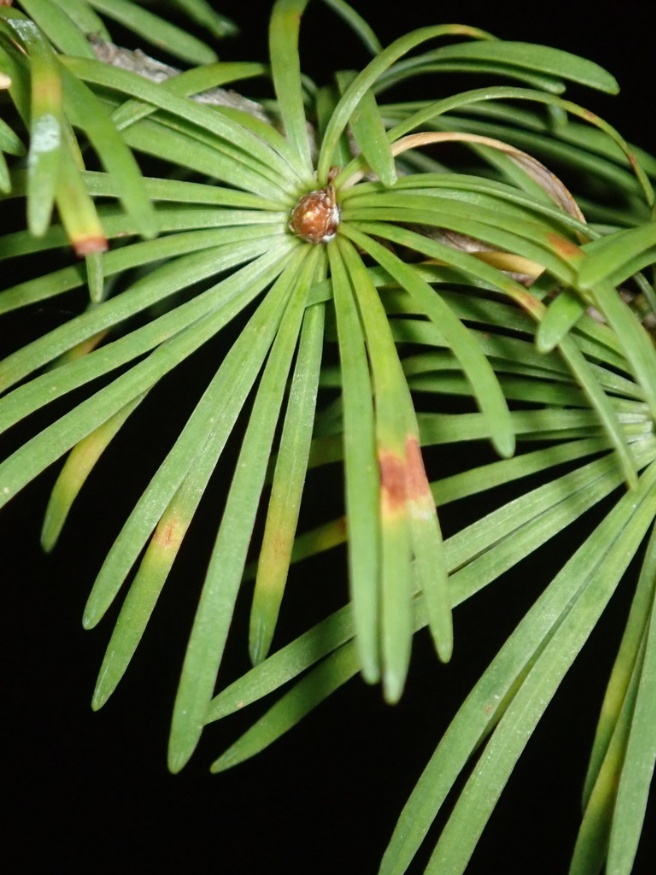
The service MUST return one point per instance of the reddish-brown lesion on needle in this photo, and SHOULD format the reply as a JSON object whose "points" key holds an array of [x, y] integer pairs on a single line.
{"points": [[393, 482], [418, 487], [403, 478]]}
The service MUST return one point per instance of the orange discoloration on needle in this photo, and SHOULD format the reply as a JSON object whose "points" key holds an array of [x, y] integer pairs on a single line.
{"points": [[418, 488], [530, 304], [393, 482], [169, 533], [590, 116], [403, 480], [275, 555], [47, 91], [564, 246], [86, 346], [89, 245]]}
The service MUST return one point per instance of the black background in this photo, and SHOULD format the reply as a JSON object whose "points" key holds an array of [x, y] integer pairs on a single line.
{"points": [[90, 792]]}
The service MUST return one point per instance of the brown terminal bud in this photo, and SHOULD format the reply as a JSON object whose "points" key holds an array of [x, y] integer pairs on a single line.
{"points": [[316, 215]]}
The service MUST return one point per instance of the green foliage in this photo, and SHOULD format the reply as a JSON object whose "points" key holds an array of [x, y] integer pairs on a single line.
{"points": [[404, 278]]}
